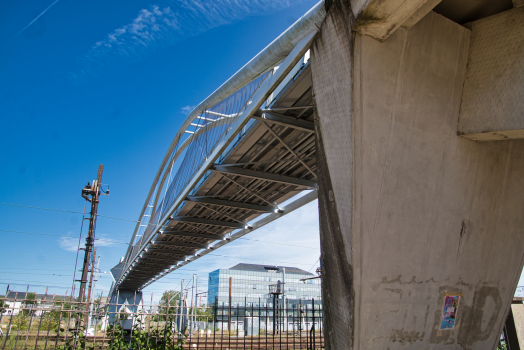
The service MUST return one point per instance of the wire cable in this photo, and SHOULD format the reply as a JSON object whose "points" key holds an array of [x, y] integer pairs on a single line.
{"points": [[47, 256], [50, 234], [64, 211], [229, 256], [290, 245]]}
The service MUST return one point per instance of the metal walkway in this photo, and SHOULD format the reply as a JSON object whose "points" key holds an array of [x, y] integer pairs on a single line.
{"points": [[233, 164]]}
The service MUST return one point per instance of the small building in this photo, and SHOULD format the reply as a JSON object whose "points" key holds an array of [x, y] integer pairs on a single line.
{"points": [[15, 302]]}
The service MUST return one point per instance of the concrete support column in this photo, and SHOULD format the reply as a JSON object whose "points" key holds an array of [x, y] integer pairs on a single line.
{"points": [[123, 298], [411, 214], [332, 52]]}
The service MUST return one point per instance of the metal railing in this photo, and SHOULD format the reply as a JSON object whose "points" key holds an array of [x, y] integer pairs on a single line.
{"points": [[30, 321], [212, 126]]}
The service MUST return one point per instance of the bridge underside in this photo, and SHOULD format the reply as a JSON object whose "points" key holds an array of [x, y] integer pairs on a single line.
{"points": [[421, 229], [421, 225], [274, 160]]}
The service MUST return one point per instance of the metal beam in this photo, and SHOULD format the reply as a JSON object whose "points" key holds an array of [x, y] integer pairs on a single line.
{"points": [[168, 264], [288, 180], [145, 273], [260, 96], [180, 244], [207, 222], [264, 221], [159, 260], [280, 119], [289, 148], [290, 108], [191, 234], [170, 252], [231, 204]]}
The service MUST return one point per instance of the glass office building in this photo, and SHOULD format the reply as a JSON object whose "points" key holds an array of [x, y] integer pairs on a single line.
{"points": [[251, 284], [265, 297]]}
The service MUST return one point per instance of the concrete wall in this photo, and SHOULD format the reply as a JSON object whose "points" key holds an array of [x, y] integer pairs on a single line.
{"points": [[518, 317], [408, 209], [493, 96], [332, 71]]}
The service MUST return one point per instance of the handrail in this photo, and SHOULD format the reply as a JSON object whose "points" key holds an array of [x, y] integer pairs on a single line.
{"points": [[275, 52]]}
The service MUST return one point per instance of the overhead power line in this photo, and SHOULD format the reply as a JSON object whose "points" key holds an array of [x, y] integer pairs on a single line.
{"points": [[290, 245], [50, 234], [47, 256], [29, 283], [64, 211], [17, 268], [282, 262], [38, 273]]}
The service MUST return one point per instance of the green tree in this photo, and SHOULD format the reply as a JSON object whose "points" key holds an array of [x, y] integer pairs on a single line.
{"points": [[21, 321], [168, 304], [204, 314], [2, 304], [65, 305], [29, 303]]}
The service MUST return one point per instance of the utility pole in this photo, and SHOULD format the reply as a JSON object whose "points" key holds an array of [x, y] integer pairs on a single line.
{"points": [[195, 309], [284, 299], [181, 313], [192, 304], [94, 192], [229, 314], [88, 300], [91, 310]]}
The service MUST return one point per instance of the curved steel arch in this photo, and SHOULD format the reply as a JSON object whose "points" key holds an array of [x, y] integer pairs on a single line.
{"points": [[289, 45], [271, 55]]}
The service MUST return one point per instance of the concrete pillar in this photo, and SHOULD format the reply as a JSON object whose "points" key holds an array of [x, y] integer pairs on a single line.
{"points": [[411, 215], [120, 298]]}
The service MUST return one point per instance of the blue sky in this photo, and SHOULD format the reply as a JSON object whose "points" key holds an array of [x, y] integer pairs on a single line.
{"points": [[109, 82]]}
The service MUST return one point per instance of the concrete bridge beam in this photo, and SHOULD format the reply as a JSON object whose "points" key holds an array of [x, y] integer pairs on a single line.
{"points": [[411, 215], [493, 95]]}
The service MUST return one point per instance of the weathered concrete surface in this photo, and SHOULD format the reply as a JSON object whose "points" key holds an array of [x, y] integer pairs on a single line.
{"points": [[518, 3], [518, 317], [379, 18], [422, 212], [493, 97], [334, 42]]}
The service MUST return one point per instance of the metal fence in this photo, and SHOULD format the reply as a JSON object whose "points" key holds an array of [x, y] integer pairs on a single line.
{"points": [[40, 321]]}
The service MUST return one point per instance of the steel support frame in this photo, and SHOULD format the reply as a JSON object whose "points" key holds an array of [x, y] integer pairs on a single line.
{"points": [[299, 202], [193, 220], [306, 26], [259, 98], [289, 148], [180, 244], [260, 175], [231, 204], [280, 119], [191, 234]]}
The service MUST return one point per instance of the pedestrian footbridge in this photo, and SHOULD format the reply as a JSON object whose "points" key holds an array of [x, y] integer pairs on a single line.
{"points": [[243, 158]]}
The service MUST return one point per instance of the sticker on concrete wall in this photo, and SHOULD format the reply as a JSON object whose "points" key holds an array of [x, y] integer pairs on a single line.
{"points": [[450, 312]]}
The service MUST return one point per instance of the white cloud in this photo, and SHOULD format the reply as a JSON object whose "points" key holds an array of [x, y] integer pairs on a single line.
{"points": [[160, 26], [68, 243], [187, 109], [102, 240]]}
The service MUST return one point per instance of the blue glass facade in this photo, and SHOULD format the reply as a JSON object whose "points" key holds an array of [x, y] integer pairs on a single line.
{"points": [[251, 284]]}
